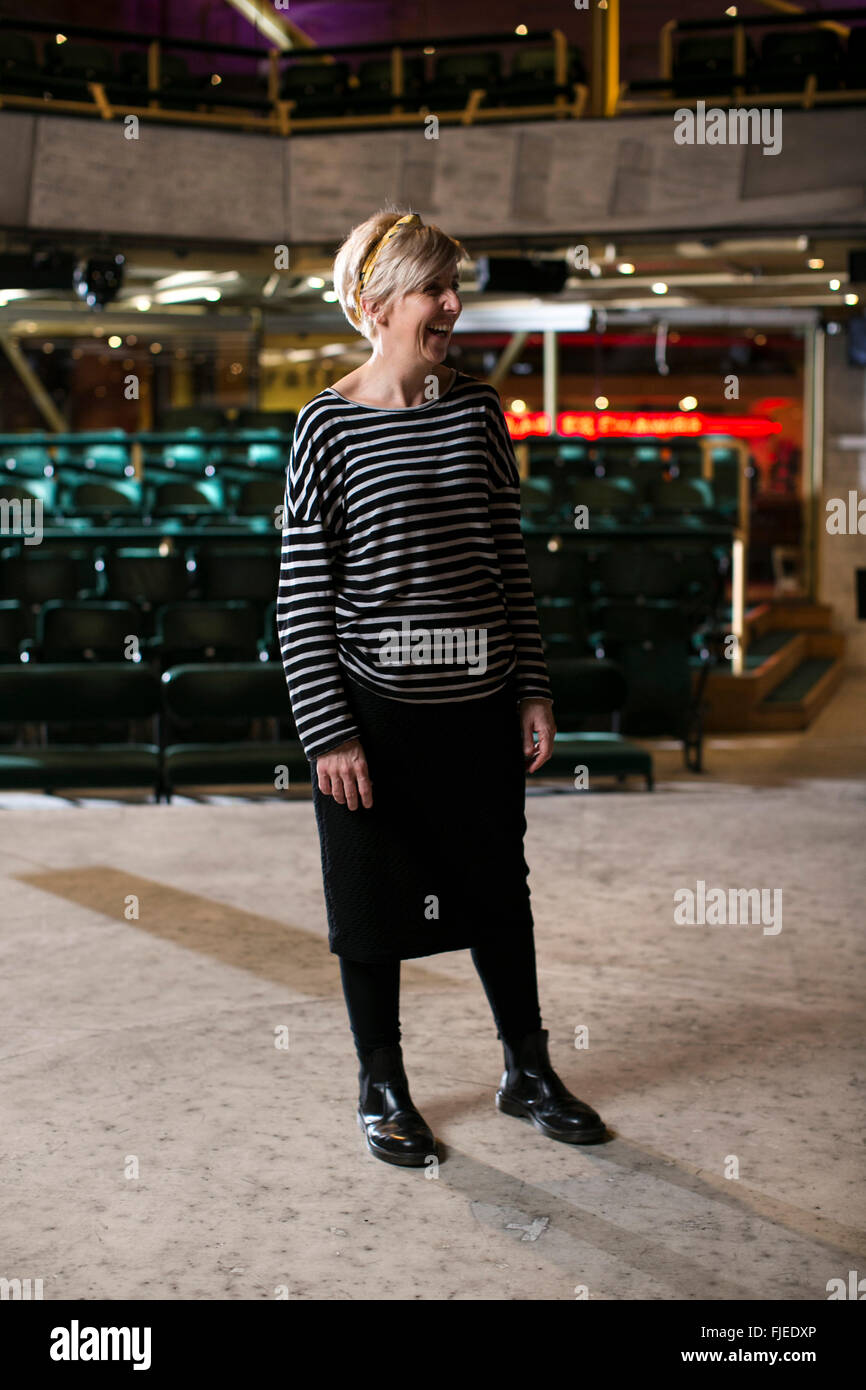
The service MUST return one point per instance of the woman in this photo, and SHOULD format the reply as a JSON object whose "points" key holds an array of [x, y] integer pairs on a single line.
{"points": [[417, 679]]}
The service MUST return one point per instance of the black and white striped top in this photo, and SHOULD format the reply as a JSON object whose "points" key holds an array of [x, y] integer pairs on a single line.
{"points": [[402, 558]]}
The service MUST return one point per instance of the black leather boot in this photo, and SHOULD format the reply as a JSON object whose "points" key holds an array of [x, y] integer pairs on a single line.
{"points": [[395, 1131], [531, 1088]]}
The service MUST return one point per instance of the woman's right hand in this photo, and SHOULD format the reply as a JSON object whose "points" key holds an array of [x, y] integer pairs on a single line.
{"points": [[343, 774]]}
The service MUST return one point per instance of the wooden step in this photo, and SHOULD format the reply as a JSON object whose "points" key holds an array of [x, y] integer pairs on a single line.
{"points": [[777, 714], [729, 699], [798, 614], [748, 701]]}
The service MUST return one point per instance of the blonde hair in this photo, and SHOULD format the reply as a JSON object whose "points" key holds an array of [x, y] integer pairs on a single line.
{"points": [[413, 256]]}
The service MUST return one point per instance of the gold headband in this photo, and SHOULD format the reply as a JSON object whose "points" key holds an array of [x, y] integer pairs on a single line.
{"points": [[409, 219]]}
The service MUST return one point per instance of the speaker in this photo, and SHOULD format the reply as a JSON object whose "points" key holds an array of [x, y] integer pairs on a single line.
{"points": [[521, 274], [857, 267]]}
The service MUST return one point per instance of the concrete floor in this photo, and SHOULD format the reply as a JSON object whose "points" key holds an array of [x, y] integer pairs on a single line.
{"points": [[151, 1042]]}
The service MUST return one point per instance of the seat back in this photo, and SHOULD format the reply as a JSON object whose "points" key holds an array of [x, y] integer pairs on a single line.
{"points": [[236, 690], [146, 577], [71, 693], [224, 631], [584, 687], [85, 630]]}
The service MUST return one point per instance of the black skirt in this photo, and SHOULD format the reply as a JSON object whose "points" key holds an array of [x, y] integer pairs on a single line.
{"points": [[437, 862]]}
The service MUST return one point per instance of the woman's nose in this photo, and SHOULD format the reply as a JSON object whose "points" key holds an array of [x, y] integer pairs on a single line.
{"points": [[451, 302]]}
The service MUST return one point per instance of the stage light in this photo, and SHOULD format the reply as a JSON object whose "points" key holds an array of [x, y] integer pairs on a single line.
{"points": [[114, 341], [689, 403], [659, 287], [852, 299], [625, 268], [330, 296], [98, 279], [142, 303], [815, 263], [519, 407], [315, 282], [835, 284], [601, 402]]}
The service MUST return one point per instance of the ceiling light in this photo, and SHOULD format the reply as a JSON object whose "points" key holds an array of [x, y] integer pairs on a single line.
{"points": [[625, 268], [518, 407], [689, 403], [521, 29], [852, 299], [815, 263], [114, 341], [760, 340], [835, 284], [192, 292], [195, 277], [330, 296], [258, 15], [659, 287], [156, 347], [315, 282], [143, 303], [601, 402], [6, 295]]}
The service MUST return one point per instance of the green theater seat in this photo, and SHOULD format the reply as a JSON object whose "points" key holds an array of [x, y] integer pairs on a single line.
{"points": [[13, 629], [374, 92], [61, 697], [587, 689], [242, 692], [609, 502], [25, 461], [196, 632], [83, 630]]}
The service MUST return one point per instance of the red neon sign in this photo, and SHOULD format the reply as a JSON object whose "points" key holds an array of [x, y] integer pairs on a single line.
{"points": [[620, 424]]}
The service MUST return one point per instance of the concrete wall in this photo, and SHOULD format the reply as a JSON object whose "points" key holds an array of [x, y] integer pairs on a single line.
{"points": [[568, 178], [844, 470]]}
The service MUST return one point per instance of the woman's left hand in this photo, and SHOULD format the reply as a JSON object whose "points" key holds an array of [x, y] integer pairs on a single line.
{"points": [[536, 717]]}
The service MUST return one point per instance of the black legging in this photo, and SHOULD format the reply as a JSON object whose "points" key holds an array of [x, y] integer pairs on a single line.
{"points": [[507, 971]]}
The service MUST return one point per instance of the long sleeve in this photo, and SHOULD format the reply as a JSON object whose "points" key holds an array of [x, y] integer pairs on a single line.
{"points": [[306, 599], [532, 674]]}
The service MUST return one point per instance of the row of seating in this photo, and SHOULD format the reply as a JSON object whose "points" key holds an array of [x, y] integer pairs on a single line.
{"points": [[121, 725], [317, 88], [191, 632], [542, 499], [128, 498], [705, 65], [195, 457], [143, 576], [561, 566], [611, 501]]}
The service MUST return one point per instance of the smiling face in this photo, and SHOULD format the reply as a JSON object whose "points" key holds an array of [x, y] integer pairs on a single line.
{"points": [[420, 324]]}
